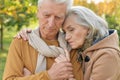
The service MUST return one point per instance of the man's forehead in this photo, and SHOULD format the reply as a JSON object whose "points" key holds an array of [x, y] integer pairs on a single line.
{"points": [[45, 11]]}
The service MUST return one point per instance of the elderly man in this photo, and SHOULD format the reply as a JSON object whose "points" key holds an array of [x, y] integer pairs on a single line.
{"points": [[45, 43]]}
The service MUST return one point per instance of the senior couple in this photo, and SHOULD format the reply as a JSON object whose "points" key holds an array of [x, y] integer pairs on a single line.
{"points": [[85, 49]]}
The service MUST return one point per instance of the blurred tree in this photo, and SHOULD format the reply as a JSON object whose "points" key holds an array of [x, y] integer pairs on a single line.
{"points": [[16, 13], [109, 10], [1, 24]]}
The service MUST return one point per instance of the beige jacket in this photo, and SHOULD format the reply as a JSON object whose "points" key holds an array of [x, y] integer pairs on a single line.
{"points": [[21, 55], [104, 61]]}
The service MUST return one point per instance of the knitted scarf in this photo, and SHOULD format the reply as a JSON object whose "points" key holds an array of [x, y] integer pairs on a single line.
{"points": [[45, 50]]}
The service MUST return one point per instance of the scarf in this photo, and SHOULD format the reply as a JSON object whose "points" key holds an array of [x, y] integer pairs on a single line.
{"points": [[45, 50]]}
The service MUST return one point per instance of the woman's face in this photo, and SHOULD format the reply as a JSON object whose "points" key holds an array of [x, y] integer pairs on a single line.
{"points": [[75, 34]]}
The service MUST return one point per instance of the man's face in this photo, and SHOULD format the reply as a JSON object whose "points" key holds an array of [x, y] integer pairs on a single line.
{"points": [[51, 16]]}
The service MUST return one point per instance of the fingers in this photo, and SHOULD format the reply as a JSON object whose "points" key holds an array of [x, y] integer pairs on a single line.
{"points": [[72, 79], [61, 58], [67, 64], [28, 30], [60, 71], [23, 34], [67, 54], [67, 77], [57, 60], [67, 71]]}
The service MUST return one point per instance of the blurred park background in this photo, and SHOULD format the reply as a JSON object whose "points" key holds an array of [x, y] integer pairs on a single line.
{"points": [[18, 14]]}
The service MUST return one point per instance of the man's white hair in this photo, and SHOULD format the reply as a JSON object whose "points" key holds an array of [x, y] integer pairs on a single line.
{"points": [[98, 27], [69, 3]]}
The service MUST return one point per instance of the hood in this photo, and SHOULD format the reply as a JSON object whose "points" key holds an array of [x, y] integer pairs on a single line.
{"points": [[111, 41]]}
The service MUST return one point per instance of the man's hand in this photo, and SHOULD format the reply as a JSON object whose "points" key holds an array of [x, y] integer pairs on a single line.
{"points": [[23, 34], [66, 73], [61, 71]]}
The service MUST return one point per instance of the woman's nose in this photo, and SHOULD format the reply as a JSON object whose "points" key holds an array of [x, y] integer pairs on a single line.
{"points": [[67, 36]]}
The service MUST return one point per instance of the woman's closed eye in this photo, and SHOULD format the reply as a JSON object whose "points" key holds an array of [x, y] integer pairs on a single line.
{"points": [[70, 29]]}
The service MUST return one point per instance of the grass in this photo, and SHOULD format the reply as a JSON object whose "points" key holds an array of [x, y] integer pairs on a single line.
{"points": [[2, 64]]}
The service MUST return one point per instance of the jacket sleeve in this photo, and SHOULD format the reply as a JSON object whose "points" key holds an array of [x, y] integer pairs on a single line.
{"points": [[105, 66], [14, 65]]}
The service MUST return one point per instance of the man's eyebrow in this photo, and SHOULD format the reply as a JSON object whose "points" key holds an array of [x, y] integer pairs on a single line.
{"points": [[61, 15], [46, 12]]}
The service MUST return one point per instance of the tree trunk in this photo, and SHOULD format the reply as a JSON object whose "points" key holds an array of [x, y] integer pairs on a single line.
{"points": [[1, 37]]}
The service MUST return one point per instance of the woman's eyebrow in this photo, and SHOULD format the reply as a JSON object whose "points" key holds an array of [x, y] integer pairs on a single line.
{"points": [[67, 27]]}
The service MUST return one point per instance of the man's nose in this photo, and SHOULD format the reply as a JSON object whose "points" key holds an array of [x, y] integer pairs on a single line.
{"points": [[51, 21]]}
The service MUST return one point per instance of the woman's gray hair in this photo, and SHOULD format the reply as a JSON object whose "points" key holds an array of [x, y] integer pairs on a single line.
{"points": [[69, 3], [98, 27]]}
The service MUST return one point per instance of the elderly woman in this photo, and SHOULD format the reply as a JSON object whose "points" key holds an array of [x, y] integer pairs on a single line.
{"points": [[98, 47]]}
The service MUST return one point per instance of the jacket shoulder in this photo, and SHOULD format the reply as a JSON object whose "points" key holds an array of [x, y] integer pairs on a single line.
{"points": [[105, 53]]}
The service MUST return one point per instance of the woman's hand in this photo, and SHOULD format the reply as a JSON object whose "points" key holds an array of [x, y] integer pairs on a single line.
{"points": [[23, 34], [62, 57]]}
